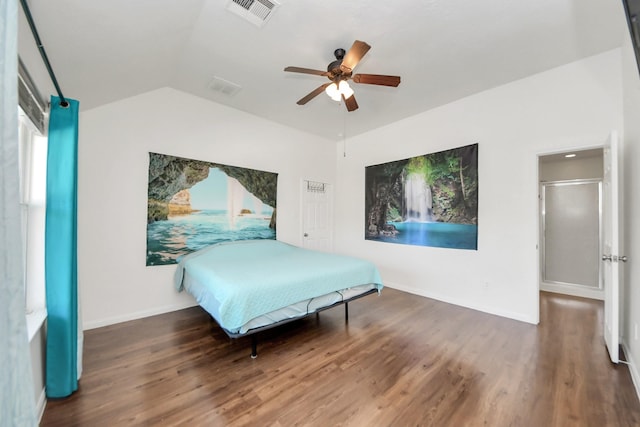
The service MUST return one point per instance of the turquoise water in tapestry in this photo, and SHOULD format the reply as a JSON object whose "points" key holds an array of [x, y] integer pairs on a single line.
{"points": [[180, 235], [439, 234]]}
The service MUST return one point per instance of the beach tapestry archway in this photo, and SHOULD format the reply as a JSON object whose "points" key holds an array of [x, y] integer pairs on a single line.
{"points": [[428, 200], [192, 204]]}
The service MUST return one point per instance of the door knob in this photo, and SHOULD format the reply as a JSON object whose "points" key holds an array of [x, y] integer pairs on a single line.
{"points": [[306, 235], [623, 258], [606, 257]]}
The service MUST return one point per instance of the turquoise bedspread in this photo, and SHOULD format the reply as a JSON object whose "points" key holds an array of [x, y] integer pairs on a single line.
{"points": [[250, 278]]}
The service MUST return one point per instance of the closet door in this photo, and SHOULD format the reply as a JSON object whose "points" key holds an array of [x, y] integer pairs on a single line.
{"points": [[317, 211], [572, 224]]}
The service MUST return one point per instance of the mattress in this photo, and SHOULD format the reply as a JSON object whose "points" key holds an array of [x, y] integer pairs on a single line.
{"points": [[247, 284]]}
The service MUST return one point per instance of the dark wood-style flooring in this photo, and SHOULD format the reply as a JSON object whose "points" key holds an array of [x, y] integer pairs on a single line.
{"points": [[402, 360]]}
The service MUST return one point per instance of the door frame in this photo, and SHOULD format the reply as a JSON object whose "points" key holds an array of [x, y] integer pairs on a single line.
{"points": [[602, 145], [567, 149], [538, 183]]}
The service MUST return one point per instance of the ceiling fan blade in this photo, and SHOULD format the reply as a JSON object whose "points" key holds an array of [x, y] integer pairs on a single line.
{"points": [[307, 71], [350, 103], [355, 54], [317, 91], [377, 79]]}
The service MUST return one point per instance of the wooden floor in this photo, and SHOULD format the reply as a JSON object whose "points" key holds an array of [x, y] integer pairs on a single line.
{"points": [[402, 360]]}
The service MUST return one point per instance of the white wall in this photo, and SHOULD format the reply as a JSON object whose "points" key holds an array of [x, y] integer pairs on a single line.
{"points": [[574, 106], [631, 192], [114, 283]]}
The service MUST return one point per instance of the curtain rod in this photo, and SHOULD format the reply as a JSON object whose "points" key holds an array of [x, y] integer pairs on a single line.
{"points": [[34, 31]]}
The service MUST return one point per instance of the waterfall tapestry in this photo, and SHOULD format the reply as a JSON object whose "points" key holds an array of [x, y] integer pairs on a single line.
{"points": [[192, 204], [429, 200]]}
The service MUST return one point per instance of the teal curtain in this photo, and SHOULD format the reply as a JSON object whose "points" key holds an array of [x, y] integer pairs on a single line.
{"points": [[61, 250]]}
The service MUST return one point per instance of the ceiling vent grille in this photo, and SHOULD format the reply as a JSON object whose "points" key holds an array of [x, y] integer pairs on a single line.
{"points": [[224, 87], [258, 12]]}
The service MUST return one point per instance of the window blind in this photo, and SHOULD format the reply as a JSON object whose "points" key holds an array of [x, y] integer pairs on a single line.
{"points": [[30, 99]]}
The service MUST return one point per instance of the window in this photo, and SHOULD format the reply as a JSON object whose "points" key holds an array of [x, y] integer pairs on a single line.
{"points": [[33, 177]]}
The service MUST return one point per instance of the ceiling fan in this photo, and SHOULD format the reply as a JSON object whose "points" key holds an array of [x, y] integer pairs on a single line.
{"points": [[339, 71]]}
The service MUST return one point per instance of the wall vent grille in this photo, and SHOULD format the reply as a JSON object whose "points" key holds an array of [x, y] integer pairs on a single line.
{"points": [[315, 187], [258, 12]]}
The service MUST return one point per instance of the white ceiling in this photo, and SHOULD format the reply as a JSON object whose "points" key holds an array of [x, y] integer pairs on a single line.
{"points": [[104, 51]]}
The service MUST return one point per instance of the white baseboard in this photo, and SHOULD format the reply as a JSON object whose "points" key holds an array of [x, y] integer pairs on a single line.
{"points": [[466, 304], [133, 316], [41, 404], [633, 369]]}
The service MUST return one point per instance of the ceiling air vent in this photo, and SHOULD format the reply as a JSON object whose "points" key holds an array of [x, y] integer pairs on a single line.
{"points": [[223, 86], [255, 11]]}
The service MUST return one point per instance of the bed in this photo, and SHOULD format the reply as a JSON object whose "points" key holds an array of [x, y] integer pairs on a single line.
{"points": [[251, 285]]}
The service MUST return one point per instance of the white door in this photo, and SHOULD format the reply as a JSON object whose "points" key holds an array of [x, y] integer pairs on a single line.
{"points": [[317, 210], [610, 247]]}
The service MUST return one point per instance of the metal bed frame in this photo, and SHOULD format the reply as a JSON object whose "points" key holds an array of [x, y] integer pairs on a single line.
{"points": [[253, 332]]}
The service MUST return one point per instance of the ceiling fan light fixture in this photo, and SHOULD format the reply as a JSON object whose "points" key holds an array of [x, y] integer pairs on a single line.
{"points": [[345, 89], [337, 91], [333, 92]]}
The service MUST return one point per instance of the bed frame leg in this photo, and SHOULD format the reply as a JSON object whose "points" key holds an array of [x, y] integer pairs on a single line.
{"points": [[254, 347], [346, 312]]}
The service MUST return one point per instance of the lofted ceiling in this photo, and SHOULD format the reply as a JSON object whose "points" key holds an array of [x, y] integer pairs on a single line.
{"points": [[105, 51]]}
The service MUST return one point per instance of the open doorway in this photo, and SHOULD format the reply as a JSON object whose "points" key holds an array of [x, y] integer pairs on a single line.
{"points": [[570, 191]]}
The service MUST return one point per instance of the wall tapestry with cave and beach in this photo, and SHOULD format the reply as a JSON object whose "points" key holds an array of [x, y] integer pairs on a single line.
{"points": [[192, 204], [429, 200]]}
